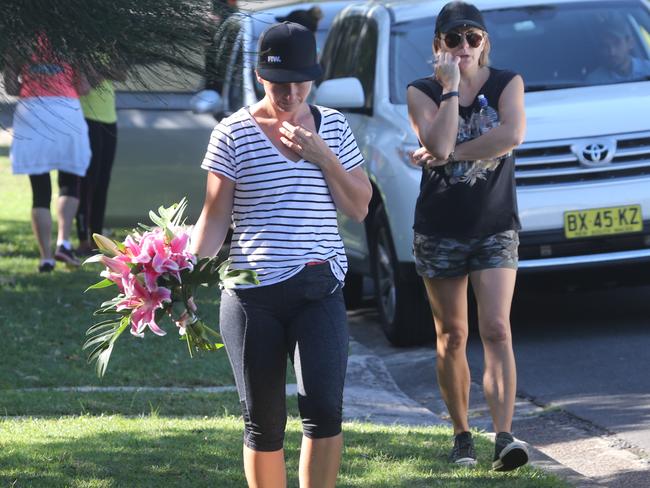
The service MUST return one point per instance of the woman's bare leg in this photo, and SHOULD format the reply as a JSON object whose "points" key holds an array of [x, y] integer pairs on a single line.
{"points": [[320, 460], [448, 300], [265, 469], [494, 289]]}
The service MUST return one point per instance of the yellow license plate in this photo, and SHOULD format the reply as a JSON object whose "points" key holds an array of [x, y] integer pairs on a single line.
{"points": [[603, 221]]}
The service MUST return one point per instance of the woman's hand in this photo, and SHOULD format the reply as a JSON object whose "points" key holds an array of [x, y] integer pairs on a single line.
{"points": [[350, 190], [423, 158], [447, 71], [306, 144]]}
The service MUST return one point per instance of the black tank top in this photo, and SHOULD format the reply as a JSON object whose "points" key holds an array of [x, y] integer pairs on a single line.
{"points": [[468, 198]]}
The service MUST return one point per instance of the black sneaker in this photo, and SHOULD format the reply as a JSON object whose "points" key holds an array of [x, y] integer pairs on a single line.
{"points": [[46, 267], [463, 453], [66, 256], [509, 454], [85, 252]]}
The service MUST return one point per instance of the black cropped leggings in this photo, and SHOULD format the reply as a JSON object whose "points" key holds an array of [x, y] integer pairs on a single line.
{"points": [[42, 188], [94, 186], [304, 319]]}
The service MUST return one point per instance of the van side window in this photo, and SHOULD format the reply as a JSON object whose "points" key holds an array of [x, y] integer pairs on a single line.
{"points": [[365, 62], [351, 51]]}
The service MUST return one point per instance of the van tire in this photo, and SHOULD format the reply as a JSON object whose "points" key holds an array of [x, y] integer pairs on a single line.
{"points": [[403, 308]]}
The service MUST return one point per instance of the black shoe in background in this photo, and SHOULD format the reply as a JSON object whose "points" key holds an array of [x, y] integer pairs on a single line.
{"points": [[46, 267], [509, 454], [66, 256], [463, 452], [85, 252]]}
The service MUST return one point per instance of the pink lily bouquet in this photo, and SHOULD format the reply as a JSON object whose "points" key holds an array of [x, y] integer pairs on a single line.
{"points": [[157, 277]]}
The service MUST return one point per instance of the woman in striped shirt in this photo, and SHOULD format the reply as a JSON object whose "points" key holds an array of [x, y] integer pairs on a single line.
{"points": [[280, 169]]}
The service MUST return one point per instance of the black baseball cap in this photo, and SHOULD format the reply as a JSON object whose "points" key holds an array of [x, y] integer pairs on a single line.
{"points": [[459, 14], [287, 54]]}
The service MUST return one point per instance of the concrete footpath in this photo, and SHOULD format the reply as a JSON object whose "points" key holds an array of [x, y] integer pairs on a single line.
{"points": [[559, 444]]}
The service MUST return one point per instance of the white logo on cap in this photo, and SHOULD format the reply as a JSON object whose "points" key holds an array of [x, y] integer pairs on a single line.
{"points": [[273, 59]]}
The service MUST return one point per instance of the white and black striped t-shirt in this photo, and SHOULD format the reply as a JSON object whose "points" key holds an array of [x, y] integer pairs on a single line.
{"points": [[283, 212]]}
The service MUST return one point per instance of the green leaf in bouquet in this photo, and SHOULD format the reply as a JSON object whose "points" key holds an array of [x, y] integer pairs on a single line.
{"points": [[102, 326], [229, 278], [144, 227], [204, 273], [102, 339], [105, 283], [200, 337], [179, 210], [110, 305], [155, 219]]}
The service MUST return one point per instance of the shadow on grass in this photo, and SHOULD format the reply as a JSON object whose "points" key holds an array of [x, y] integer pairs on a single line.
{"points": [[45, 317], [150, 452], [54, 404], [17, 239]]}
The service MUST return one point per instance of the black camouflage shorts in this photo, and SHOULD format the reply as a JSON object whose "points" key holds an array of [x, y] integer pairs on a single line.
{"points": [[447, 257]]}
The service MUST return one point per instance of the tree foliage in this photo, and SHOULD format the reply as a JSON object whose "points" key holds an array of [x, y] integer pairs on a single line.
{"points": [[105, 36]]}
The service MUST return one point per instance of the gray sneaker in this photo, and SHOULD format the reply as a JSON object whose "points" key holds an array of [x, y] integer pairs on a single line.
{"points": [[509, 454], [463, 453]]}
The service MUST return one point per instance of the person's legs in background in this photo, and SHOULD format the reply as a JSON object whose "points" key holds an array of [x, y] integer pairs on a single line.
{"points": [[87, 187], [98, 204], [94, 186], [42, 218], [66, 209]]}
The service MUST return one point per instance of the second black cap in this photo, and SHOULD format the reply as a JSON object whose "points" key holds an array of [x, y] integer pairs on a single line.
{"points": [[459, 14]]}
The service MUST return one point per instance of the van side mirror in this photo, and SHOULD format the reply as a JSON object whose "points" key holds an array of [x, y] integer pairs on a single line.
{"points": [[341, 93], [206, 102]]}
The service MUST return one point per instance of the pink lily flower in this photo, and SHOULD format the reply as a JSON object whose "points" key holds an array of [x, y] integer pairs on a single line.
{"points": [[180, 251], [143, 303], [116, 271], [136, 252]]}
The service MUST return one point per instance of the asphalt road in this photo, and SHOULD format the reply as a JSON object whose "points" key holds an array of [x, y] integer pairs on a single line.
{"points": [[586, 352]]}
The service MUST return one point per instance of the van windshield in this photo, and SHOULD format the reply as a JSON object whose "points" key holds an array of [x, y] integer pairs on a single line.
{"points": [[552, 46]]}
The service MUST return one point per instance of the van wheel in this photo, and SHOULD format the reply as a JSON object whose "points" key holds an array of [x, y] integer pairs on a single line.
{"points": [[403, 309]]}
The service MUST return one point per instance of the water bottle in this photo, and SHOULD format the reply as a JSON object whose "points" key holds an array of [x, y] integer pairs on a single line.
{"points": [[487, 116], [487, 119]]}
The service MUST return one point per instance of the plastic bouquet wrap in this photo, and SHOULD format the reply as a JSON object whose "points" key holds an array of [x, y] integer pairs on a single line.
{"points": [[157, 278]]}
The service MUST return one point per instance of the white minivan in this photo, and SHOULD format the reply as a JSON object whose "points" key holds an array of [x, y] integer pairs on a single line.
{"points": [[164, 127], [583, 172]]}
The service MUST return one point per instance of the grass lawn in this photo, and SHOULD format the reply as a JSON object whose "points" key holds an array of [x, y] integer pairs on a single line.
{"points": [[136, 439], [49, 314]]}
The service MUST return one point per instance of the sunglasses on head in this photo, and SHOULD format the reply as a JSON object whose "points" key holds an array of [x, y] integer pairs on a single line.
{"points": [[454, 39]]}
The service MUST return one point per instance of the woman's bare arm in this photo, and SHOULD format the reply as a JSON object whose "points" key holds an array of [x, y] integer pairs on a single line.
{"points": [[212, 227]]}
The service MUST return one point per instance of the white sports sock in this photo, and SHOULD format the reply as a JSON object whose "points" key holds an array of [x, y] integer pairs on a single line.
{"points": [[65, 244]]}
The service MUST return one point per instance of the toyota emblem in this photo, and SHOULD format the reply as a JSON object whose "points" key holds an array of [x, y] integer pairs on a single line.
{"points": [[593, 153]]}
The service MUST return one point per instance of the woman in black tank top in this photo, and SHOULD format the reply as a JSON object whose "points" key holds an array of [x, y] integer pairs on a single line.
{"points": [[468, 118]]}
